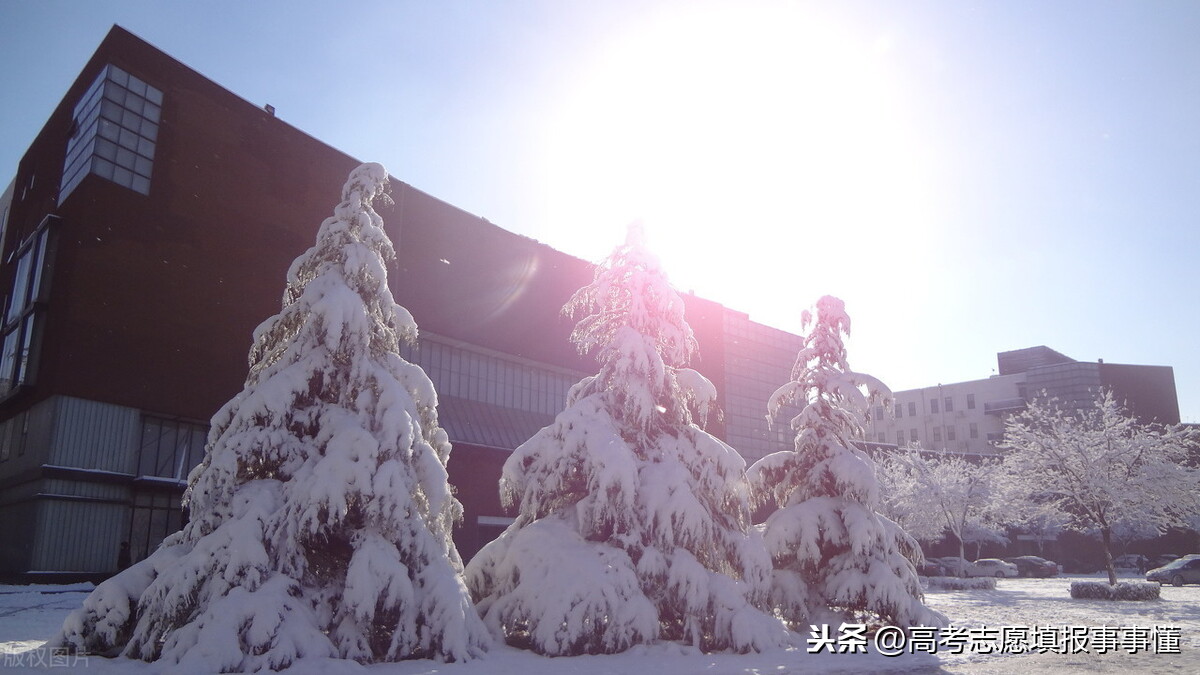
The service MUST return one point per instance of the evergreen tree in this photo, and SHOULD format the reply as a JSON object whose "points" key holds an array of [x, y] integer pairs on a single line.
{"points": [[634, 522], [832, 551], [321, 514]]}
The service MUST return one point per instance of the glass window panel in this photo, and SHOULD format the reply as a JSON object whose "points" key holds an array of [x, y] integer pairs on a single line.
{"points": [[151, 430], [130, 120], [145, 148], [135, 103], [137, 86], [110, 111], [127, 139], [27, 329], [149, 130], [106, 149], [164, 465], [117, 75], [103, 168], [154, 95], [183, 449], [109, 129], [115, 94], [139, 534], [16, 301], [8, 360], [141, 184], [123, 176], [39, 264], [151, 112], [142, 166], [125, 158]]}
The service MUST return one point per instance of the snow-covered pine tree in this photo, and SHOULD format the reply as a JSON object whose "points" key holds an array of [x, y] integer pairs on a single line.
{"points": [[833, 552], [634, 523], [321, 514]]}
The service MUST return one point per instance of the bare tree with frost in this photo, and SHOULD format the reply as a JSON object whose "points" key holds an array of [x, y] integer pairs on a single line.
{"points": [[833, 552], [634, 523], [962, 498], [1100, 466], [321, 514]]}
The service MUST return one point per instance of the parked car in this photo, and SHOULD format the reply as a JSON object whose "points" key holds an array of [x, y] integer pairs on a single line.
{"points": [[984, 567], [1129, 561], [951, 565], [1162, 559], [1034, 566], [931, 568], [994, 567], [1185, 570]]}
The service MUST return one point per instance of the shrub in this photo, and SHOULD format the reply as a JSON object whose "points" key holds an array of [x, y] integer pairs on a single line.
{"points": [[961, 584], [1124, 590]]}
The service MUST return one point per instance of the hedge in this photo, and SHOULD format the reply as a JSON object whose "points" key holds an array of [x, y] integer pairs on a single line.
{"points": [[960, 584], [1124, 590]]}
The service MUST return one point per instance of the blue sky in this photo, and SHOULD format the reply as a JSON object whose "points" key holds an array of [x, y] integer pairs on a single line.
{"points": [[970, 177]]}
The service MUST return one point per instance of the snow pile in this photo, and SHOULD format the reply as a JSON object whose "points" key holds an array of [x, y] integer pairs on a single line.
{"points": [[634, 522], [1122, 590], [832, 552], [321, 515]]}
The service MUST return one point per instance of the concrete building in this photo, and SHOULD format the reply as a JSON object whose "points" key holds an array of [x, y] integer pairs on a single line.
{"points": [[968, 417], [148, 230]]}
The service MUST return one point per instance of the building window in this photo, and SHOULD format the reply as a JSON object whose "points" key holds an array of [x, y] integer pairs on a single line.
{"points": [[114, 133], [970, 401], [879, 413], [949, 404], [974, 430], [899, 410], [933, 405], [950, 435], [912, 408], [881, 437], [900, 437], [21, 327], [937, 434], [170, 448], [912, 435], [155, 514]]}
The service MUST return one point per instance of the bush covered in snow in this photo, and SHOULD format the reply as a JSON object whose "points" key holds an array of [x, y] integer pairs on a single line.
{"points": [[832, 550], [634, 522], [1122, 590], [961, 583], [321, 514]]}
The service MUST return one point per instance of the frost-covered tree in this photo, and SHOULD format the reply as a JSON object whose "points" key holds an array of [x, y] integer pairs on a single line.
{"points": [[1101, 466], [961, 496], [898, 498], [832, 550], [321, 514], [634, 523]]}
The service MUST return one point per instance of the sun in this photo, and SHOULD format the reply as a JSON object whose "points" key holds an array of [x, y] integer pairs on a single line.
{"points": [[757, 142]]}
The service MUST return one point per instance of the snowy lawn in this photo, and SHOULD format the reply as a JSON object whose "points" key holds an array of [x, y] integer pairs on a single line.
{"points": [[30, 614]]}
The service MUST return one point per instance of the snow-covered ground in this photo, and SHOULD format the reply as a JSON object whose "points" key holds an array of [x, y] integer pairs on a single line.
{"points": [[30, 614]]}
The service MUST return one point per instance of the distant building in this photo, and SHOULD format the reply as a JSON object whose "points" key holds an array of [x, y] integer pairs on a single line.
{"points": [[149, 229], [968, 417]]}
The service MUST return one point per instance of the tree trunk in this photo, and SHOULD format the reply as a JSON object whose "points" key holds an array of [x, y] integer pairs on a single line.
{"points": [[1106, 539], [962, 557]]}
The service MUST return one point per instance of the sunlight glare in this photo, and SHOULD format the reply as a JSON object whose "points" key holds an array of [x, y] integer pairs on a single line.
{"points": [[747, 137]]}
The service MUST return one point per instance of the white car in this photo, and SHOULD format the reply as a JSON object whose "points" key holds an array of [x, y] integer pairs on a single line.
{"points": [[993, 567]]}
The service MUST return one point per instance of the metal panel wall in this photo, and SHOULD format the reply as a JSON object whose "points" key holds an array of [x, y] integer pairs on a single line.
{"points": [[91, 435], [78, 536]]}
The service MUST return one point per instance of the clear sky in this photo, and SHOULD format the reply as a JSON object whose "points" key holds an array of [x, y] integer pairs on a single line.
{"points": [[970, 177]]}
